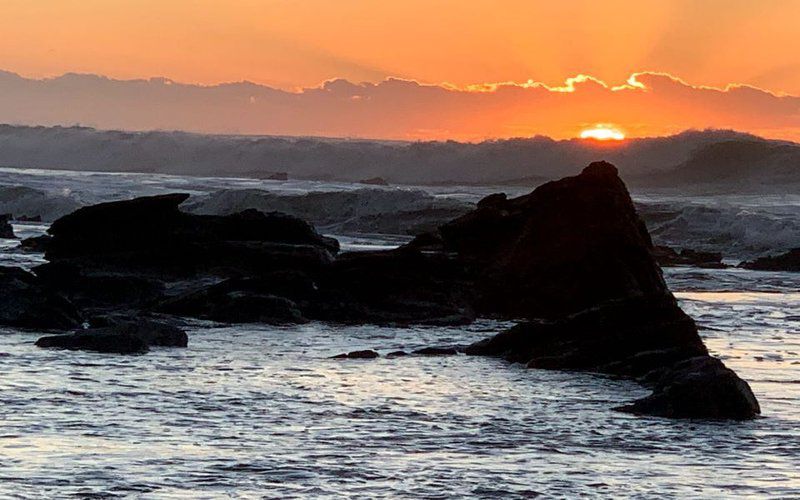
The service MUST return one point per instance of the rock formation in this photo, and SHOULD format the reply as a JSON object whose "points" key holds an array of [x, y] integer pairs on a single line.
{"points": [[581, 261], [572, 259]]}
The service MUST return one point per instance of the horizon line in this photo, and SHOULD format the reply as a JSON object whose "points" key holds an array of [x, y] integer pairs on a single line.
{"points": [[604, 143]]}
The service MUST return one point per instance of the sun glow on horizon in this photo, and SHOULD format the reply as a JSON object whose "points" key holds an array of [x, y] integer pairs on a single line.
{"points": [[603, 133]]}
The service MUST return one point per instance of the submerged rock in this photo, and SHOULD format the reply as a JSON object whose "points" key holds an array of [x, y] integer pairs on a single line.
{"points": [[365, 354], [96, 340], [26, 303], [120, 337], [699, 387], [6, 231], [436, 351], [789, 261]]}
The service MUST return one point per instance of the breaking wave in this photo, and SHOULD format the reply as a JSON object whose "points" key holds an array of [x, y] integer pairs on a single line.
{"points": [[739, 230]]}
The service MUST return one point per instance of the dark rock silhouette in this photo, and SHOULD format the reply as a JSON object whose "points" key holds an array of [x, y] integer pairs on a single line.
{"points": [[789, 261], [436, 351], [365, 354], [669, 257], [244, 300], [6, 230], [26, 303], [120, 337], [573, 259], [611, 338], [394, 287], [700, 387], [96, 340], [569, 245], [128, 253]]}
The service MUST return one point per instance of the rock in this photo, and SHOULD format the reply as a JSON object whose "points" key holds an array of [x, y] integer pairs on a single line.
{"points": [[99, 341], [155, 333], [374, 181], [569, 245], [120, 336], [93, 288], [397, 287], [6, 230], [397, 354], [236, 301], [154, 224], [436, 351], [669, 257], [789, 261], [606, 338], [131, 253], [700, 387], [26, 303], [365, 354]]}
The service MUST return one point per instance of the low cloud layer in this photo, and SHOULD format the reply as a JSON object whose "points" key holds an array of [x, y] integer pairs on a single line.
{"points": [[647, 104]]}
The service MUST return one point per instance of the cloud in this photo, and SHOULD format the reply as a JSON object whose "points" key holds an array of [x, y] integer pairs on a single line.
{"points": [[647, 103]]}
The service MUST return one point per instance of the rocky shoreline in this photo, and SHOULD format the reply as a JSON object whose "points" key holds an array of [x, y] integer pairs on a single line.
{"points": [[571, 261]]}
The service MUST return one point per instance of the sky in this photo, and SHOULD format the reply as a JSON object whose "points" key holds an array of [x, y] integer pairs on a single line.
{"points": [[648, 68]]}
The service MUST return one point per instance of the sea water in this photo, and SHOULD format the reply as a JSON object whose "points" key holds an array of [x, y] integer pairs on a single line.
{"points": [[255, 411]]}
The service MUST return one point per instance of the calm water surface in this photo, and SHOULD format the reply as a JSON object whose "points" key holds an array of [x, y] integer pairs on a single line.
{"points": [[254, 411]]}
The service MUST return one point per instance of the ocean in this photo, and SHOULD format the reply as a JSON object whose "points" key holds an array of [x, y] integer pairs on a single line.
{"points": [[255, 411]]}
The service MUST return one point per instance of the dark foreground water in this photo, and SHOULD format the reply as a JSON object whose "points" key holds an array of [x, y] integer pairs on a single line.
{"points": [[257, 411]]}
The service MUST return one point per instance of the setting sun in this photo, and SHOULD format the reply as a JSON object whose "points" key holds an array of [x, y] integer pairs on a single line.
{"points": [[603, 133]]}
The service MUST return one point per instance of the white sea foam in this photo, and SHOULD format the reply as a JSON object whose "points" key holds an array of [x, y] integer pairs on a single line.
{"points": [[740, 227]]}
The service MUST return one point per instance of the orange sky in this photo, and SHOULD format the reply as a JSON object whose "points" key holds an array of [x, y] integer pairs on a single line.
{"points": [[295, 44]]}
